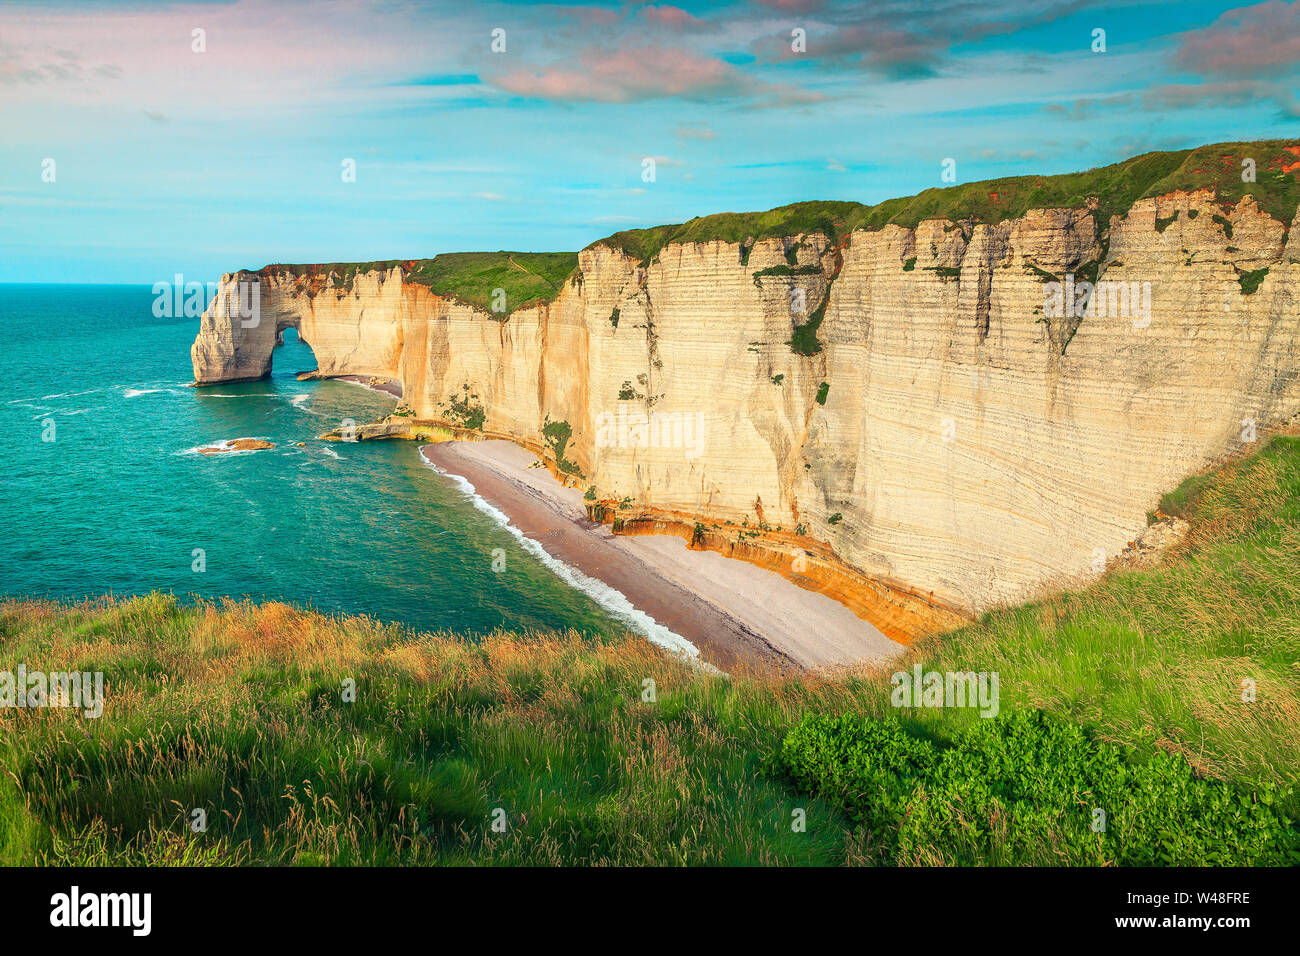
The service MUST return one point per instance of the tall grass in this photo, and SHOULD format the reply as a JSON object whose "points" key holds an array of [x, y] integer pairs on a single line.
{"points": [[1160, 658], [239, 710]]}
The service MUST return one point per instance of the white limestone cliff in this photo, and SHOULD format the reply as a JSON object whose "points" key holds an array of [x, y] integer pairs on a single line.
{"points": [[966, 441]]}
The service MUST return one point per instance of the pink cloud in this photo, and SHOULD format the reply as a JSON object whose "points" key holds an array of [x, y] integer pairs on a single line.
{"points": [[594, 16], [868, 46], [1221, 93], [674, 18], [1247, 41], [622, 76], [793, 6]]}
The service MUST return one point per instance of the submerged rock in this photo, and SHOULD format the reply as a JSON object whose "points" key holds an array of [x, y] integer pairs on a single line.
{"points": [[237, 444]]}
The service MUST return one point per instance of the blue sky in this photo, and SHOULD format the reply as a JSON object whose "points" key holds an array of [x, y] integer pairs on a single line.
{"points": [[168, 160]]}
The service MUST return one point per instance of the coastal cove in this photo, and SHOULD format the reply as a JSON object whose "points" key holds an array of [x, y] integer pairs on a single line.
{"points": [[110, 494], [228, 492], [734, 612]]}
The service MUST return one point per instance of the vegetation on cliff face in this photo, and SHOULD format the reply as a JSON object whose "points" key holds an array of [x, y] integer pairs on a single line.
{"points": [[241, 710], [1251, 281], [557, 435], [464, 409], [804, 340]]}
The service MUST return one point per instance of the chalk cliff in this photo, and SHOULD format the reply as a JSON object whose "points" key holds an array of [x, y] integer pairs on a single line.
{"points": [[902, 401]]}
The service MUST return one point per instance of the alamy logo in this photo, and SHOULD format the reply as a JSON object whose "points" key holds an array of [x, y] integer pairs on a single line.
{"points": [[1105, 299], [77, 690], [178, 298], [75, 908], [636, 429], [245, 303], [920, 688]]}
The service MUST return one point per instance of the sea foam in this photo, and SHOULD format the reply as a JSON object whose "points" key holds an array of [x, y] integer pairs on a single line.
{"points": [[612, 600]]}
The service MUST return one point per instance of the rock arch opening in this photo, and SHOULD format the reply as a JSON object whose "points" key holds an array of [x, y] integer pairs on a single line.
{"points": [[292, 354]]}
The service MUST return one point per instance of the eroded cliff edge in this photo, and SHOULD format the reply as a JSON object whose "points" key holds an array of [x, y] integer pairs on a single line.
{"points": [[896, 402]]}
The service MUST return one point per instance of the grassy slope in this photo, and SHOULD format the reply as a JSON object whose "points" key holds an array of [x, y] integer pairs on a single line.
{"points": [[473, 277], [1156, 658], [531, 277], [238, 710], [526, 277]]}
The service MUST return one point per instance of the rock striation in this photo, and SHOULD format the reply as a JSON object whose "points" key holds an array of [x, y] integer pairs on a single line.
{"points": [[908, 404]]}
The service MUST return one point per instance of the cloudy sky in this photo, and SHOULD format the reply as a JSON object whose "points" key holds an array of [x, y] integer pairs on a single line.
{"points": [[168, 158]]}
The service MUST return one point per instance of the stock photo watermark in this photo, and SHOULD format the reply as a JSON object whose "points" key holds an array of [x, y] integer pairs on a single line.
{"points": [[71, 690], [180, 299], [633, 428], [927, 689], [1107, 298]]}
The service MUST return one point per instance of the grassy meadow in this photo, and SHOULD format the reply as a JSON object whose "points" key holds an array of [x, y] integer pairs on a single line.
{"points": [[545, 749]]}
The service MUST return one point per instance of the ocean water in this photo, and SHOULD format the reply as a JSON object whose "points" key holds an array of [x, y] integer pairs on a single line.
{"points": [[101, 490]]}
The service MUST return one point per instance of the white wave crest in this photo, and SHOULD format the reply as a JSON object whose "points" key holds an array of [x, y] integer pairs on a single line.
{"points": [[607, 597]]}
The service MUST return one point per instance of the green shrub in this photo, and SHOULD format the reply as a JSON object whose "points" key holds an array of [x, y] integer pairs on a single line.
{"points": [[557, 435], [804, 340], [870, 767], [1025, 789], [786, 271], [1250, 281], [463, 408]]}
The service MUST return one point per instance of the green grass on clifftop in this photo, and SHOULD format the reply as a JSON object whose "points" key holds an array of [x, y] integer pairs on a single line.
{"points": [[525, 278], [528, 278], [474, 277], [239, 710], [828, 218], [1115, 187]]}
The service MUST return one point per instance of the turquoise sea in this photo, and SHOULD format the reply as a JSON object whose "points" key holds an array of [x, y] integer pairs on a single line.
{"points": [[102, 491]]}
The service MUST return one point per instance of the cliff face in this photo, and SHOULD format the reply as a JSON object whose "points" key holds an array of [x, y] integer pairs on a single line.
{"points": [[950, 430]]}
